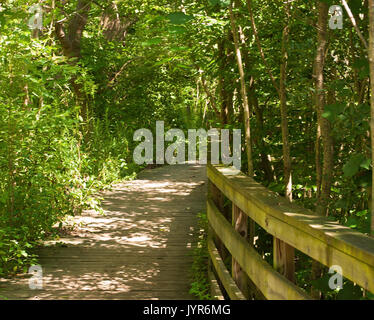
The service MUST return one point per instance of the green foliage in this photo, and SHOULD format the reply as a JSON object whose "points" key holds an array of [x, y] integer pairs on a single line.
{"points": [[350, 291], [54, 156], [332, 111], [179, 18], [15, 248], [200, 286], [354, 164], [47, 170], [221, 3]]}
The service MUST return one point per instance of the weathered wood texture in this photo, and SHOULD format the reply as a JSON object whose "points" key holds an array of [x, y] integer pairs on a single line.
{"points": [[284, 259], [320, 238], [215, 290], [240, 224], [139, 249], [231, 288], [271, 283]]}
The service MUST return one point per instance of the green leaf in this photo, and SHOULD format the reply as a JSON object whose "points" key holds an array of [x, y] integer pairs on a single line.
{"points": [[24, 253], [183, 66], [349, 292], [176, 49], [222, 3], [159, 63], [174, 29], [151, 42], [362, 65], [215, 2], [362, 213], [322, 283], [353, 165], [329, 2], [366, 164], [332, 111], [352, 222], [179, 18]]}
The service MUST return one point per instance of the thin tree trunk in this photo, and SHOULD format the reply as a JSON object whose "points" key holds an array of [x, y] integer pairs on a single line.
{"points": [[70, 39], [327, 141], [324, 127], [281, 90], [253, 104], [257, 38], [212, 100], [240, 219], [284, 254], [354, 23], [225, 95], [318, 160], [243, 93], [371, 59], [265, 162], [11, 181], [284, 111]]}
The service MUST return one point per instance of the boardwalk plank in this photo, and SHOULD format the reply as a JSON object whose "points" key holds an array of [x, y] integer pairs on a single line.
{"points": [[140, 249]]}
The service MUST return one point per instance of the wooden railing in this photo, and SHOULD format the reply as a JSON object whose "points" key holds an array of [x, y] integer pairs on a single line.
{"points": [[291, 226]]}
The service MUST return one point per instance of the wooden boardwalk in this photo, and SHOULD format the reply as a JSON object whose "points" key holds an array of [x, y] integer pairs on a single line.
{"points": [[140, 249]]}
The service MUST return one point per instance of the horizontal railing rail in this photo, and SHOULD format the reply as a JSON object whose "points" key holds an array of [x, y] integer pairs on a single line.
{"points": [[292, 226]]}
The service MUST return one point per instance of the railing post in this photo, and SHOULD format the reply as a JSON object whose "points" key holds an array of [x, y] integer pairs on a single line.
{"points": [[218, 199], [240, 223], [284, 259], [216, 195]]}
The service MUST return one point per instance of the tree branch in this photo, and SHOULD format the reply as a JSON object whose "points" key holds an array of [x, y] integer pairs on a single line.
{"points": [[110, 83], [249, 5], [353, 20], [71, 39]]}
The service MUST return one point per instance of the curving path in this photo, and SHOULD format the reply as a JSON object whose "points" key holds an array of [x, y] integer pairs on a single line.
{"points": [[140, 248]]}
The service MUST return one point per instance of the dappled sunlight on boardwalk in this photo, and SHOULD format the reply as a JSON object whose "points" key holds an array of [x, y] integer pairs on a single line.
{"points": [[139, 249]]}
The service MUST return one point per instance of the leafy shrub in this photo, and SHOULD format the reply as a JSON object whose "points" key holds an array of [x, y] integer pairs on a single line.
{"points": [[200, 286]]}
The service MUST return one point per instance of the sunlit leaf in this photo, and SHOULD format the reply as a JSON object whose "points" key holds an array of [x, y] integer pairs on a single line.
{"points": [[179, 18]]}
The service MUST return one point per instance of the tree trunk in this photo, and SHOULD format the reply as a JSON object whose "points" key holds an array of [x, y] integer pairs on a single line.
{"points": [[284, 254], [70, 39], [318, 159], [371, 59], [253, 105], [240, 220], [284, 111], [265, 162], [243, 94], [226, 95], [281, 90], [325, 126], [212, 100]]}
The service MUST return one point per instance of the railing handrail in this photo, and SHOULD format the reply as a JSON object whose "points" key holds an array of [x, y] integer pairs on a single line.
{"points": [[318, 237]]}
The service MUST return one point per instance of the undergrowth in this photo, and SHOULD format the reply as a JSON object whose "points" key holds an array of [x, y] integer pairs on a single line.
{"points": [[200, 284]]}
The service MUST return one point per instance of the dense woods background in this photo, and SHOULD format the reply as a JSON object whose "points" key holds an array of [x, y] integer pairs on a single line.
{"points": [[73, 94]]}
